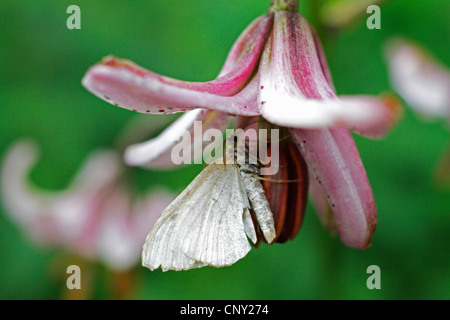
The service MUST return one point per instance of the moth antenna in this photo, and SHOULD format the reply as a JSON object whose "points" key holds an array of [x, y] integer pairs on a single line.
{"points": [[287, 136], [252, 122], [275, 180]]}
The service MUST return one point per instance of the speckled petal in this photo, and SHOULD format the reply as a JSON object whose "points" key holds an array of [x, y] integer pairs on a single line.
{"points": [[294, 81], [127, 85], [334, 161]]}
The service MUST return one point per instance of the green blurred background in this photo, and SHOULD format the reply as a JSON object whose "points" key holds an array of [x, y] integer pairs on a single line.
{"points": [[41, 67]]}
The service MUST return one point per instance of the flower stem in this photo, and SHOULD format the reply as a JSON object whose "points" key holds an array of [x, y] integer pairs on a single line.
{"points": [[279, 5]]}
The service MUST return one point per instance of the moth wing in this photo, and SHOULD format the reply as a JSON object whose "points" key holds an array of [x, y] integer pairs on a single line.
{"points": [[162, 245], [202, 226], [214, 232], [248, 221], [260, 205]]}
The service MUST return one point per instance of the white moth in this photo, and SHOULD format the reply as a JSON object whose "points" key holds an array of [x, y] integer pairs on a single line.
{"points": [[209, 222]]}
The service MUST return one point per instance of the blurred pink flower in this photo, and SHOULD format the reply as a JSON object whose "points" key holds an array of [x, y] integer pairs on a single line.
{"points": [[276, 69], [422, 81], [95, 217]]}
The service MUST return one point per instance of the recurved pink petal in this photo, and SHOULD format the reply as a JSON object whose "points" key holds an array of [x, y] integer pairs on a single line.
{"points": [[243, 57], [58, 217], [294, 81], [78, 210], [156, 152], [123, 230], [127, 85], [334, 161], [22, 202], [95, 216], [422, 81], [388, 111]]}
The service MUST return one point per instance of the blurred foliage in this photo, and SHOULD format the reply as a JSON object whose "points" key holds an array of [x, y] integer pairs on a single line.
{"points": [[41, 66]]}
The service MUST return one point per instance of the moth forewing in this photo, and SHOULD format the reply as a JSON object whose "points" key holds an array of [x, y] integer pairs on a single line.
{"points": [[215, 234], [249, 227], [248, 222], [162, 245], [160, 249], [205, 225], [258, 201]]}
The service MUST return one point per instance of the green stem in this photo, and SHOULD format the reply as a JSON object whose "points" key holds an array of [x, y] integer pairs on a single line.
{"points": [[287, 5]]}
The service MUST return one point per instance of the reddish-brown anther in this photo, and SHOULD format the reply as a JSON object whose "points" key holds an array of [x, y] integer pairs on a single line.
{"points": [[287, 191], [277, 192]]}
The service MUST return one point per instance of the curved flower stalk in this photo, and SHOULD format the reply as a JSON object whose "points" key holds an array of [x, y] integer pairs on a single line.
{"points": [[95, 217], [276, 69]]}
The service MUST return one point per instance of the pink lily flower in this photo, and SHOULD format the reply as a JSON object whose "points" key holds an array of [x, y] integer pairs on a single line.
{"points": [[277, 70], [94, 217]]}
